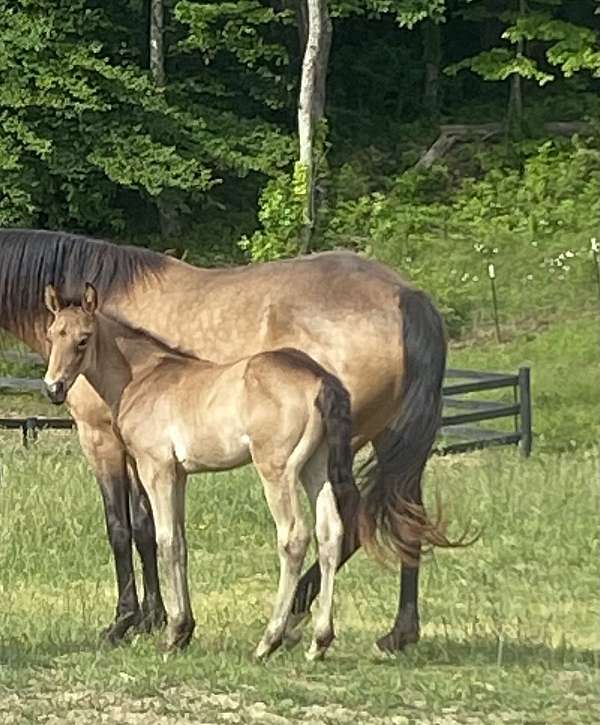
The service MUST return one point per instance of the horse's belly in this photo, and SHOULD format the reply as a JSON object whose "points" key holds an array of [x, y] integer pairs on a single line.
{"points": [[211, 453]]}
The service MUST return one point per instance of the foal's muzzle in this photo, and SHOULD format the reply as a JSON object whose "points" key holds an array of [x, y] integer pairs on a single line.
{"points": [[56, 392]]}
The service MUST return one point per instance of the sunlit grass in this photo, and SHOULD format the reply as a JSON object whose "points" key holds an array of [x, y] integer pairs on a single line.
{"points": [[509, 625]]}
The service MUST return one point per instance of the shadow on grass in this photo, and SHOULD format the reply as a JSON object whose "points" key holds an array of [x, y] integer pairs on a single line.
{"points": [[488, 651], [19, 653]]}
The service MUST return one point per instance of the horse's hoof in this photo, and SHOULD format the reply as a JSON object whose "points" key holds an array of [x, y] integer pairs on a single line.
{"points": [[396, 641], [151, 622], [116, 632], [262, 652], [319, 646], [266, 648], [178, 637], [173, 646], [315, 653]]}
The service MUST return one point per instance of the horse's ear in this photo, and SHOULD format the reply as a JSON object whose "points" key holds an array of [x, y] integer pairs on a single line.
{"points": [[52, 299], [89, 301]]}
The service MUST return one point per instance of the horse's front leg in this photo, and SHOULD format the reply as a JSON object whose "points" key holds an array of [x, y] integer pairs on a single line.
{"points": [[106, 455], [165, 483], [154, 615]]}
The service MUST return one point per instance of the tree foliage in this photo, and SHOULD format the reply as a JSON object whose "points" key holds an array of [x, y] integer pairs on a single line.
{"points": [[567, 46], [76, 126], [88, 142]]}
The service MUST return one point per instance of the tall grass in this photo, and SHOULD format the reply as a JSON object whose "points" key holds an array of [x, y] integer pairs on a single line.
{"points": [[510, 625]]}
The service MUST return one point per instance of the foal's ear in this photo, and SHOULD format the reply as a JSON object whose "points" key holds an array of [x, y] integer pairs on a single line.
{"points": [[52, 299], [89, 301]]}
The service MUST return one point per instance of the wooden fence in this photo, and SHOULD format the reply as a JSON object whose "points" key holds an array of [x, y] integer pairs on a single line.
{"points": [[460, 424], [456, 426]]}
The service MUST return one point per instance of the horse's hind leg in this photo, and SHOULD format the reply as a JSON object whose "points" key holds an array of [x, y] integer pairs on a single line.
{"points": [[292, 541], [329, 538], [348, 500], [154, 615], [406, 627]]}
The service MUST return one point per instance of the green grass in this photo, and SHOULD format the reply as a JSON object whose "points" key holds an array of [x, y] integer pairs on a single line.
{"points": [[510, 626]]}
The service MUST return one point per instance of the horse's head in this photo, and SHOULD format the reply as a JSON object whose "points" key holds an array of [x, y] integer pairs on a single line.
{"points": [[70, 335]]}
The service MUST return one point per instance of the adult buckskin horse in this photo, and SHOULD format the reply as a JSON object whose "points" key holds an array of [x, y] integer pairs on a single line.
{"points": [[357, 318]]}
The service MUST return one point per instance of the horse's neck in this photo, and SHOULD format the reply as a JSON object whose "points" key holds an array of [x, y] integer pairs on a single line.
{"points": [[33, 334]]}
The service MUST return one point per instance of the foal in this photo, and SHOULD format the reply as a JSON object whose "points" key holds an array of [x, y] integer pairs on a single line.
{"points": [[178, 415]]}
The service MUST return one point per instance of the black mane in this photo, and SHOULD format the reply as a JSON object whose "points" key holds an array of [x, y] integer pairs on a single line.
{"points": [[30, 259]]}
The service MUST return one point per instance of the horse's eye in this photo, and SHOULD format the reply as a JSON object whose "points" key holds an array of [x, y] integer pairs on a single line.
{"points": [[82, 343]]}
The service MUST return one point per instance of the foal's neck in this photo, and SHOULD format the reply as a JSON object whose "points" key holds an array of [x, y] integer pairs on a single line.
{"points": [[120, 355]]}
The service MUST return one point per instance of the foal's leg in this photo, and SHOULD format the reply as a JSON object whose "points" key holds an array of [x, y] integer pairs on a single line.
{"points": [[106, 455], [154, 615], [329, 537], [292, 542], [406, 629], [348, 500], [165, 486]]}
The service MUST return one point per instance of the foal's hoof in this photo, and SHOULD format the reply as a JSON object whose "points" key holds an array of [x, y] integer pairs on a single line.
{"points": [[294, 629], [266, 648], [318, 647], [396, 641]]}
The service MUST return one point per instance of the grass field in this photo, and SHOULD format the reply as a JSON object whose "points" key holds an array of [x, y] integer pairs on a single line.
{"points": [[510, 626]]}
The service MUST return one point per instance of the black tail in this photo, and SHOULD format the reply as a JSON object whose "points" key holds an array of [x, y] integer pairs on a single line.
{"points": [[393, 519], [333, 402]]}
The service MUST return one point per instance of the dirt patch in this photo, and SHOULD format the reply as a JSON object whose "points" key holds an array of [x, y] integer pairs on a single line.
{"points": [[187, 705]]}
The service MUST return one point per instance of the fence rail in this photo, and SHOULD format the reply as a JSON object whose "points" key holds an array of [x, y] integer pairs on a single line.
{"points": [[455, 425], [475, 411]]}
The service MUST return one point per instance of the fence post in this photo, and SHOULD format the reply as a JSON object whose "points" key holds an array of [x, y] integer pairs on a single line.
{"points": [[30, 431], [525, 404]]}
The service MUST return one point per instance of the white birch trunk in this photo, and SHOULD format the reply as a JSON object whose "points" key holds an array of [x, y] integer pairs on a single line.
{"points": [[311, 103]]}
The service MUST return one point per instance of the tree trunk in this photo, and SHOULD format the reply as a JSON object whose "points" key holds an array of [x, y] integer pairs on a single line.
{"points": [[515, 103], [311, 104], [157, 48], [167, 211], [432, 56]]}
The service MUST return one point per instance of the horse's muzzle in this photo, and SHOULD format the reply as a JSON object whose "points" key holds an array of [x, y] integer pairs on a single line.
{"points": [[56, 392]]}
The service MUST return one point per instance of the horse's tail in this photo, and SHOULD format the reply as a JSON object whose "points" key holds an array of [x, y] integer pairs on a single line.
{"points": [[393, 518], [333, 402]]}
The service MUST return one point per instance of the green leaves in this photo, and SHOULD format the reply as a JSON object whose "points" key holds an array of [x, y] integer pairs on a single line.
{"points": [[138, 161], [568, 47], [247, 33], [407, 12], [281, 214], [77, 126], [500, 63]]}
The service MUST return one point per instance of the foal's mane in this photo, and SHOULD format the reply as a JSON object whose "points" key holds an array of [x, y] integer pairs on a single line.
{"points": [[30, 259]]}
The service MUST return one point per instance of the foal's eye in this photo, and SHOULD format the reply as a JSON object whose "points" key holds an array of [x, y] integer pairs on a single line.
{"points": [[82, 343]]}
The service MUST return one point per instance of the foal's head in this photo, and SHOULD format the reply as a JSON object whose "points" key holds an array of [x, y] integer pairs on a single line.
{"points": [[69, 335]]}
